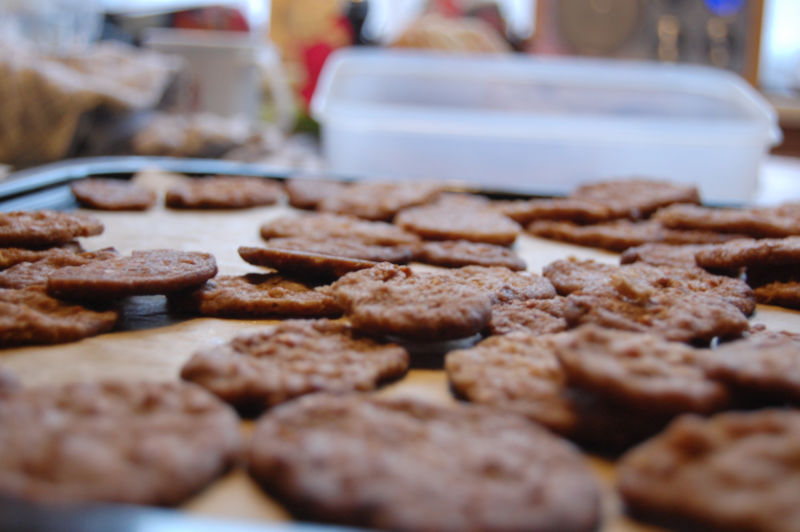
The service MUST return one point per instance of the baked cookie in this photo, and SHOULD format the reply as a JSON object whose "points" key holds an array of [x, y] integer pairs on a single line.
{"points": [[36, 229], [680, 255], [325, 225], [457, 253], [36, 273], [765, 252], [757, 222], [394, 300], [154, 271], [303, 263], [536, 316], [223, 192], [259, 296], [12, 256], [127, 442], [306, 193], [30, 316], [374, 200], [400, 464], [562, 209], [765, 363], [505, 285], [451, 220], [734, 471], [344, 247], [619, 235], [636, 198], [294, 358], [780, 293], [640, 370], [112, 194]]}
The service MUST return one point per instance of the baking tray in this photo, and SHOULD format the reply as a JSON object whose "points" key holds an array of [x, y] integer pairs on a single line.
{"points": [[132, 349]]}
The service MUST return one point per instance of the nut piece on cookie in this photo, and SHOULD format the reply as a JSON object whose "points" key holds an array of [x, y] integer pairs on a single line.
{"points": [[36, 229], [113, 441], [155, 271], [223, 192], [367, 462], [112, 194], [296, 357]]}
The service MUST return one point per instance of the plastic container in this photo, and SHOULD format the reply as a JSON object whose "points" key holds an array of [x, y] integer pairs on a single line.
{"points": [[541, 125]]}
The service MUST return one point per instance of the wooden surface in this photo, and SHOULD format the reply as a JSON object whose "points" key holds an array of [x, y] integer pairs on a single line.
{"points": [[154, 344]]}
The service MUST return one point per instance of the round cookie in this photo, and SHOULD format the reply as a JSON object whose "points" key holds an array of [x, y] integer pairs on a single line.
{"points": [[537, 316], [343, 247], [223, 192], [30, 316], [566, 209], [306, 193], [758, 222], [457, 253], [505, 285], [655, 254], [303, 263], [394, 300], [12, 256], [408, 465], [295, 358], [764, 252], [376, 200], [326, 225], [127, 442], [733, 471], [636, 198], [155, 271], [112, 194], [35, 229], [37, 272]]}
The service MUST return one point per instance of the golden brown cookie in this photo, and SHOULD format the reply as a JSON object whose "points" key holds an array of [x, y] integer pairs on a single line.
{"points": [[325, 225], [30, 316], [113, 441], [636, 198], [400, 464], [37, 272], [12, 256], [36, 229], [536, 316], [762, 253], [154, 271], [733, 471], [505, 285], [306, 193], [376, 200], [681, 255], [394, 300], [561, 209], [223, 192], [302, 263], [294, 358], [757, 222], [112, 194], [343, 247], [457, 253], [259, 296]]}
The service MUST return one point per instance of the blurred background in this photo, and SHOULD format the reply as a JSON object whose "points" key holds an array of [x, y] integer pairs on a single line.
{"points": [[233, 79]]}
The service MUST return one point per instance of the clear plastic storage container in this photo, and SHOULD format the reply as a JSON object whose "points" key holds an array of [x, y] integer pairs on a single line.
{"points": [[541, 125]]}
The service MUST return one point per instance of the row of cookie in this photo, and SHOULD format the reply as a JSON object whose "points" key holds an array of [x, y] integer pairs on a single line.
{"points": [[338, 458]]}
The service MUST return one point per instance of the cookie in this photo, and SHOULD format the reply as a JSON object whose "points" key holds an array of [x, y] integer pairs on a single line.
{"points": [[681, 255], [560, 209], [223, 192], [30, 316], [12, 256], [302, 263], [400, 464], [619, 235], [764, 364], [343, 247], [36, 273], [757, 222], [780, 293], [259, 296], [765, 252], [536, 316], [322, 226], [505, 285], [636, 198], [306, 193], [734, 471], [126, 442], [394, 300], [457, 253], [36, 229], [640, 370], [380, 201], [295, 358], [450, 220], [112, 194], [155, 271]]}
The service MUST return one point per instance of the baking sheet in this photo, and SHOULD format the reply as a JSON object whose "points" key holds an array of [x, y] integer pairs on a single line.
{"points": [[151, 343]]}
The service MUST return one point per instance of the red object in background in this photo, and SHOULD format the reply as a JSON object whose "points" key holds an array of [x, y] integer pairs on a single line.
{"points": [[211, 18], [314, 57]]}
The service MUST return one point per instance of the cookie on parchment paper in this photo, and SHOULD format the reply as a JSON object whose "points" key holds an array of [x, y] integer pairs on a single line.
{"points": [[258, 295], [29, 316], [304, 264], [765, 252], [537, 316], [402, 464], [657, 254], [343, 247], [394, 300], [294, 358], [326, 225], [143, 272], [36, 273], [223, 192], [758, 222], [378, 200], [733, 471], [636, 198], [36, 229], [562, 209], [457, 253], [112, 194], [306, 193], [114, 441], [12, 256], [503, 284]]}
